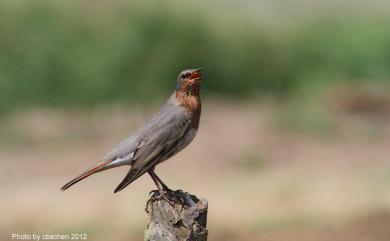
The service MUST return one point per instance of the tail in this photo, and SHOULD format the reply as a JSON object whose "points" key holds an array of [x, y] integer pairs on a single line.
{"points": [[130, 177], [133, 175], [87, 173]]}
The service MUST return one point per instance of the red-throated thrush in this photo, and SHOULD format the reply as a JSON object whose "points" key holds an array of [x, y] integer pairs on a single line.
{"points": [[167, 133]]}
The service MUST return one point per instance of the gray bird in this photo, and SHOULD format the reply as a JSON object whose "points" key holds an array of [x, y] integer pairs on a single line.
{"points": [[167, 133]]}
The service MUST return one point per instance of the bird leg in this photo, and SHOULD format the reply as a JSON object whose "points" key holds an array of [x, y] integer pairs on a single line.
{"points": [[164, 191], [163, 185], [169, 195]]}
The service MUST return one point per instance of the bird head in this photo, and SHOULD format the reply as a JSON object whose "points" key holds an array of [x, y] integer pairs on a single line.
{"points": [[189, 81]]}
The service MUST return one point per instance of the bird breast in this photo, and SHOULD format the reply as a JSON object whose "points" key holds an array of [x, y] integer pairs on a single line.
{"points": [[190, 102]]}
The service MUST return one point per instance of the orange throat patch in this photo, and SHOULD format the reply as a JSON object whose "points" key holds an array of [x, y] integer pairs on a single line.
{"points": [[188, 101]]}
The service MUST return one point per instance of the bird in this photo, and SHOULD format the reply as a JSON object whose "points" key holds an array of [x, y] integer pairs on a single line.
{"points": [[168, 132]]}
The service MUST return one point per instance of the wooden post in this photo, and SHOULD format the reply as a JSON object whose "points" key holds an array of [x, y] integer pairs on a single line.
{"points": [[177, 221]]}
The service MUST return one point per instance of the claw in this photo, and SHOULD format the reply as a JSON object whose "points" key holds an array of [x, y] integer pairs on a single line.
{"points": [[164, 194], [171, 202], [172, 197], [153, 192]]}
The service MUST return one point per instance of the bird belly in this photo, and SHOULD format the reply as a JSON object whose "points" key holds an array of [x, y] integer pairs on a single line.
{"points": [[126, 160]]}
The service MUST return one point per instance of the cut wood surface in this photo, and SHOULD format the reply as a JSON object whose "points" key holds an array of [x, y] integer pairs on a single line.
{"points": [[178, 221]]}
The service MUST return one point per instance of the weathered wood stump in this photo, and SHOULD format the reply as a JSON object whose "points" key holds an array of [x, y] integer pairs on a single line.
{"points": [[183, 220]]}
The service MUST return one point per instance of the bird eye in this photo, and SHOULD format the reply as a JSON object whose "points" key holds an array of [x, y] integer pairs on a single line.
{"points": [[185, 75]]}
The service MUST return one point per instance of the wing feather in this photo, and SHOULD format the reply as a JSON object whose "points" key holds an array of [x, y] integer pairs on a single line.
{"points": [[156, 143]]}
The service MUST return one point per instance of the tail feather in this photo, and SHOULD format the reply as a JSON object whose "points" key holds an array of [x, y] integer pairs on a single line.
{"points": [[85, 174], [134, 174], [130, 177]]}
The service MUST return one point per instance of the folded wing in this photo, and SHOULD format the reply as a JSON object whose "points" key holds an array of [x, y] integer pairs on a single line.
{"points": [[157, 142]]}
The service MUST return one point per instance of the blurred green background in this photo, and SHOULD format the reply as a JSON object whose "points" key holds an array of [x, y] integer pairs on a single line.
{"points": [[295, 132], [73, 53]]}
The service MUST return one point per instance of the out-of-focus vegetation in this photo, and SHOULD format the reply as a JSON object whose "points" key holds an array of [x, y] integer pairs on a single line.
{"points": [[72, 53]]}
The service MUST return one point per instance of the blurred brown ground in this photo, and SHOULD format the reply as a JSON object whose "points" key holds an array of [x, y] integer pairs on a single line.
{"points": [[262, 181]]}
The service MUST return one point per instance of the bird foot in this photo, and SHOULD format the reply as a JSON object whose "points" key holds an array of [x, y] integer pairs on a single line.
{"points": [[173, 197], [159, 195]]}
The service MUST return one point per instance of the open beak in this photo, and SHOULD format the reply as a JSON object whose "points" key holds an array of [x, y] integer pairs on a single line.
{"points": [[196, 75]]}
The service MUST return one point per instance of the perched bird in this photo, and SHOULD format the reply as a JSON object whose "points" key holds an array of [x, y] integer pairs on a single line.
{"points": [[167, 133]]}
